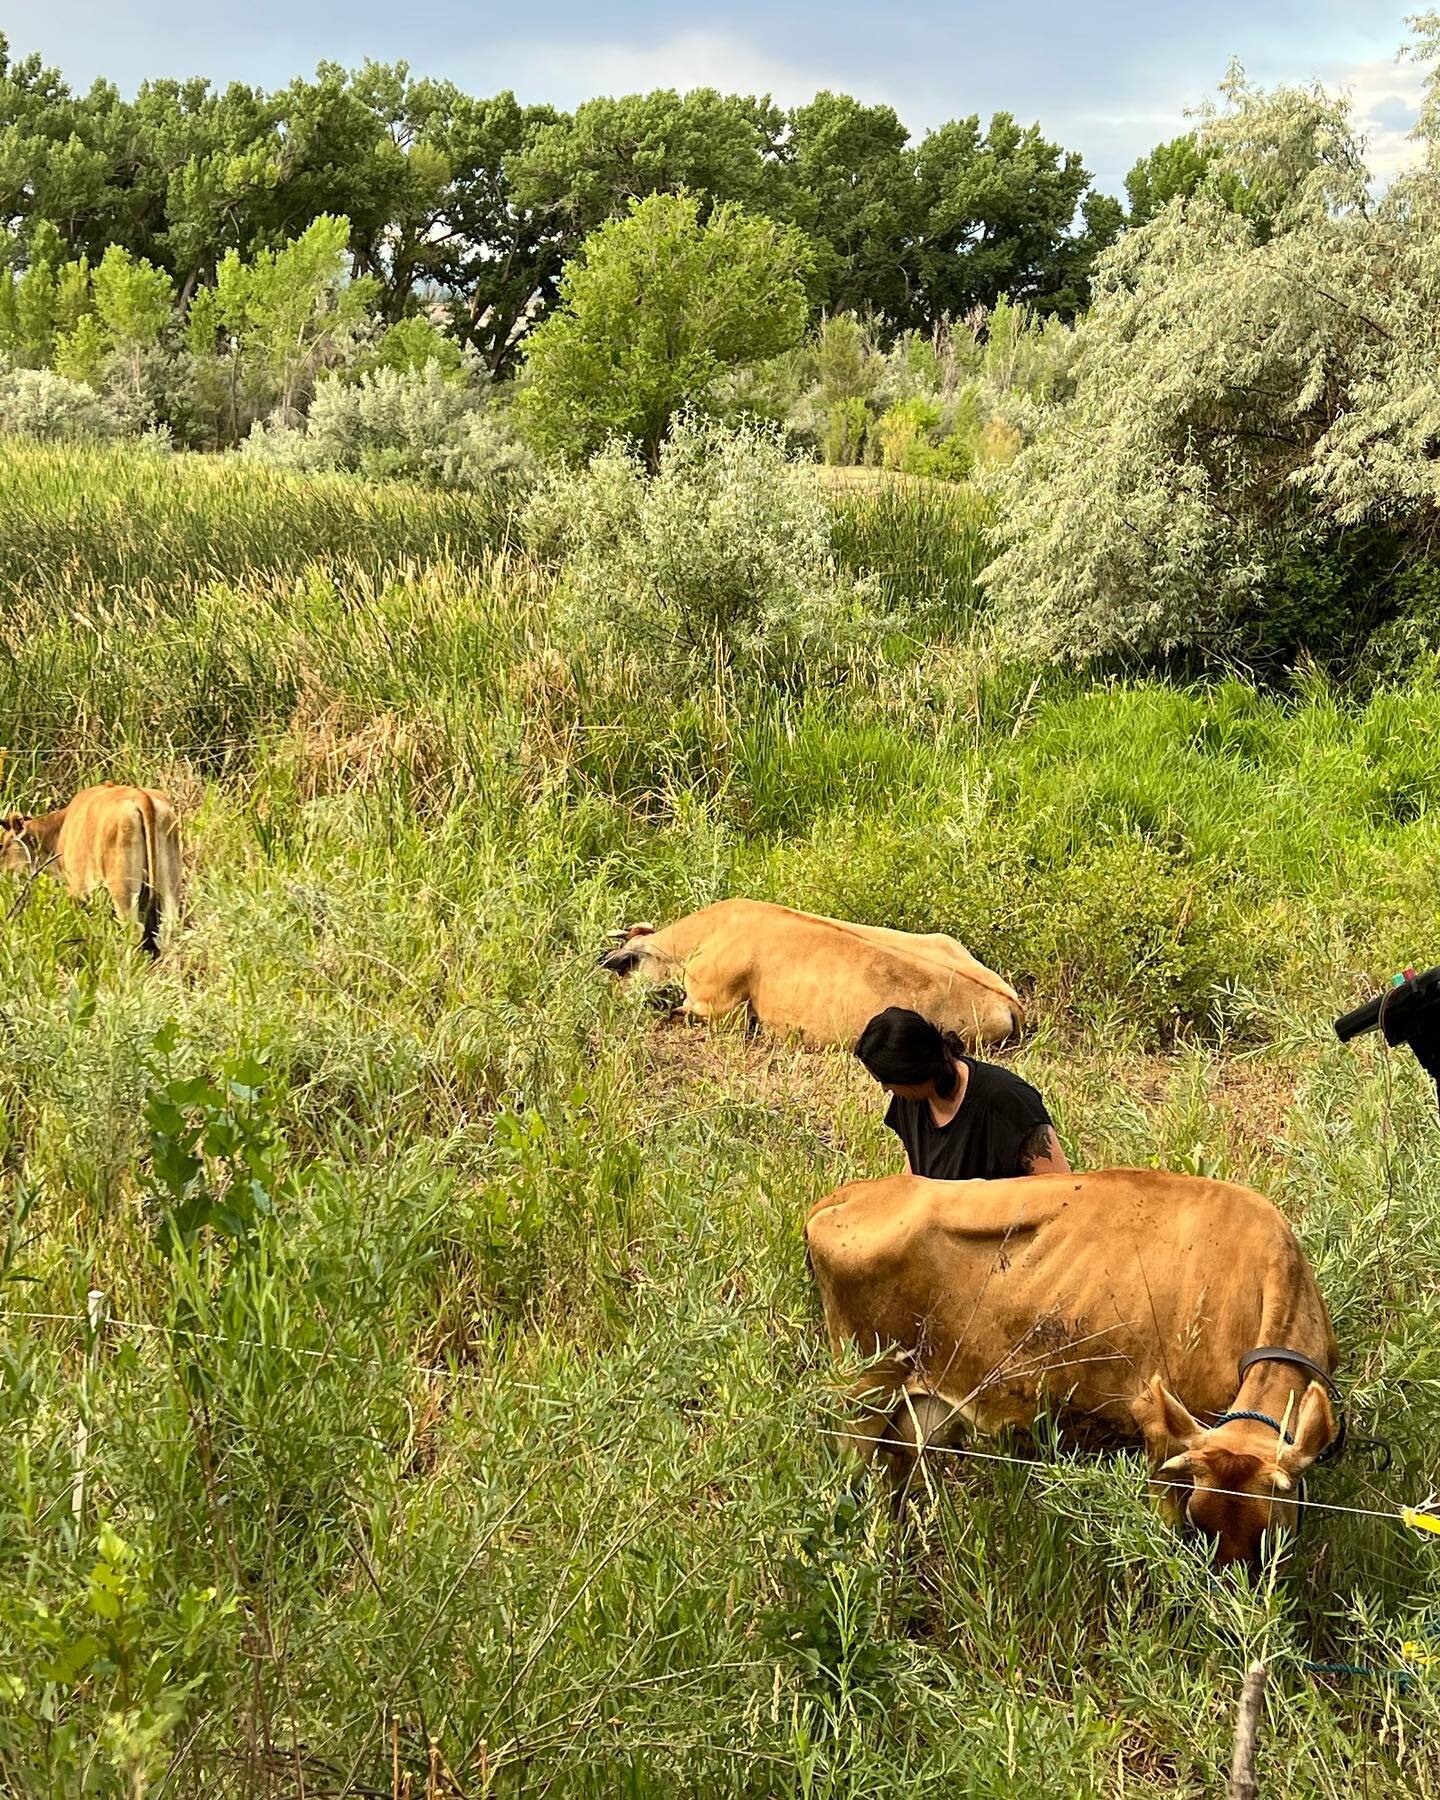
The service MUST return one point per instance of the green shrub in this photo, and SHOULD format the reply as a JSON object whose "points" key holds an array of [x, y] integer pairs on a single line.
{"points": [[413, 344], [399, 423], [35, 403], [1121, 935], [722, 559], [846, 423], [904, 433], [952, 459]]}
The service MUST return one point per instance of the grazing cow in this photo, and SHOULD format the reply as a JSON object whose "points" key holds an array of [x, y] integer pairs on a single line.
{"points": [[125, 839], [825, 979], [1125, 1299]]}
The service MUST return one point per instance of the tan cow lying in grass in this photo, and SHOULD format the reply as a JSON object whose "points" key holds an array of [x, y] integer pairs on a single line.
{"points": [[1126, 1297], [125, 839], [824, 979]]}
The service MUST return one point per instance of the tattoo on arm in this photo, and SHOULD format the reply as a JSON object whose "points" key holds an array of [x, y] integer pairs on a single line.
{"points": [[1043, 1147]]}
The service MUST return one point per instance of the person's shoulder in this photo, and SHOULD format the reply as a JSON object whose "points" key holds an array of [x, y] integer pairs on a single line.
{"points": [[1008, 1093]]}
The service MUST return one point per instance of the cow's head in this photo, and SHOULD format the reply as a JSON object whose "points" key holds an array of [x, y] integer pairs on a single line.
{"points": [[17, 853], [1231, 1482], [626, 956]]}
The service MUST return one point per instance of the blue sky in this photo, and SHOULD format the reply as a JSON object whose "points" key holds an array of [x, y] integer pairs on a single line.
{"points": [[1108, 79]]}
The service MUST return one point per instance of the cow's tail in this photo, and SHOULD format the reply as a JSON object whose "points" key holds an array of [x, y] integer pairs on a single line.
{"points": [[149, 897], [160, 897], [169, 867]]}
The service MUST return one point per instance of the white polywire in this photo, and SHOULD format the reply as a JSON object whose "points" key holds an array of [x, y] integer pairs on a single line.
{"points": [[444, 1372]]}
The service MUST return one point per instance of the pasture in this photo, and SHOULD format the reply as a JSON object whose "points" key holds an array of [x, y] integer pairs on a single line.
{"points": [[463, 1414]]}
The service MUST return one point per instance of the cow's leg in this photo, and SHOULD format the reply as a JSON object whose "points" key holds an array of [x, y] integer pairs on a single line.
{"points": [[125, 874], [920, 1421], [899, 1419], [710, 993], [872, 1398]]}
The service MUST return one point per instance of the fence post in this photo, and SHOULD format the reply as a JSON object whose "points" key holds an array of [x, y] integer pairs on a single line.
{"points": [[1243, 1783], [95, 1318]]}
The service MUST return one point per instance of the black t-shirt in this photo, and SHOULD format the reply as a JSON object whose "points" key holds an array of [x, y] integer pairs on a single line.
{"points": [[1000, 1116]]}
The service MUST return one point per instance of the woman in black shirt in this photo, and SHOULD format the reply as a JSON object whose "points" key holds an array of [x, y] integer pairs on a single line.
{"points": [[959, 1119]]}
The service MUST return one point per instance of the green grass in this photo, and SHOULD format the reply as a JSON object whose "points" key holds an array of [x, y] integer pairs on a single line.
{"points": [[922, 541], [608, 1547]]}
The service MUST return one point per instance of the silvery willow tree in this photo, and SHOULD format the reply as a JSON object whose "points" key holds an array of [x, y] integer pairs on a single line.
{"points": [[1250, 465]]}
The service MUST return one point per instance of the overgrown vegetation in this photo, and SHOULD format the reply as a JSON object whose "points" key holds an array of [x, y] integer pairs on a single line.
{"points": [[465, 1384], [410, 1379]]}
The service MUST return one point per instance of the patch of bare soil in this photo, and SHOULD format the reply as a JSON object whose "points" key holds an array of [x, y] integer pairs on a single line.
{"points": [[765, 1071], [1254, 1098]]}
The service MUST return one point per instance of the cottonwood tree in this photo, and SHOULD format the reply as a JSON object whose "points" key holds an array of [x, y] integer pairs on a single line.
{"points": [[653, 310], [853, 189], [584, 169], [289, 314], [133, 304], [480, 202]]}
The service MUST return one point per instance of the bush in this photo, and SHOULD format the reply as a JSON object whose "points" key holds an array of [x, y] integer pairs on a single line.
{"points": [[414, 343], [38, 404], [1161, 958], [722, 559], [904, 433], [415, 424], [845, 426]]}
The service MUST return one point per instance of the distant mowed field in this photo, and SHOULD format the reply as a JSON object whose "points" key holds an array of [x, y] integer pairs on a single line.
{"points": [[459, 1411]]}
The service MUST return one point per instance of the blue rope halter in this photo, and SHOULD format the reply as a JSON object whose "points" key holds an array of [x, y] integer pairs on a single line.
{"points": [[1260, 1418]]}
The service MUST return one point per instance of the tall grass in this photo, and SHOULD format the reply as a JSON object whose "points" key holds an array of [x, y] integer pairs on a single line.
{"points": [[499, 1451], [923, 541], [98, 521]]}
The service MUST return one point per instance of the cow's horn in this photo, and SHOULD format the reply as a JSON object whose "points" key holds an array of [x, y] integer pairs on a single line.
{"points": [[1177, 1465]]}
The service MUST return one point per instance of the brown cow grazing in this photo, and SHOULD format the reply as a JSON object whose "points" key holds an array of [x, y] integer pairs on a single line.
{"points": [[125, 839], [818, 977], [1125, 1298]]}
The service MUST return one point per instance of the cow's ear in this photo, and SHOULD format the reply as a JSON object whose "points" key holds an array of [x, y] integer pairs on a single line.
{"points": [[1313, 1429], [1166, 1424], [642, 930]]}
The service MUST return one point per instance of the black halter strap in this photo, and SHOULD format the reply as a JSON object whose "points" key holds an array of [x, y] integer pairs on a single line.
{"points": [[1281, 1353]]}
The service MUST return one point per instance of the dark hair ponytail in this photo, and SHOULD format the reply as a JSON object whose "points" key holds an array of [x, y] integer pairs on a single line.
{"points": [[902, 1049]]}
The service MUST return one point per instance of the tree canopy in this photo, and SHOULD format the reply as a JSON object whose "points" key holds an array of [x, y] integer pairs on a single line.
{"points": [[477, 204], [1249, 466]]}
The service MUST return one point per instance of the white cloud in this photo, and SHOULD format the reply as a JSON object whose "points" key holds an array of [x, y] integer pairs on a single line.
{"points": [[1387, 95], [569, 71]]}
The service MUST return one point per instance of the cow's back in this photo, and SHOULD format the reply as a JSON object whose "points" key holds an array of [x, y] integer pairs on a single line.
{"points": [[113, 832], [826, 979], [830, 985], [1082, 1285], [103, 828]]}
